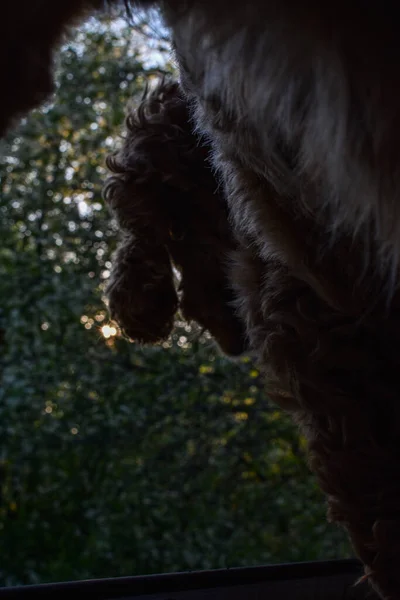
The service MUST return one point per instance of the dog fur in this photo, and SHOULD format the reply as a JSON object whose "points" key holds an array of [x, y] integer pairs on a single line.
{"points": [[299, 102], [165, 198]]}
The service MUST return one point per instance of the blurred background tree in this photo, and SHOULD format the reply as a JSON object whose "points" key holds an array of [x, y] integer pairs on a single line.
{"points": [[115, 459]]}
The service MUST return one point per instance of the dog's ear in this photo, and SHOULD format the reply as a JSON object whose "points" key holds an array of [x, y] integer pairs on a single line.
{"points": [[141, 291], [163, 195]]}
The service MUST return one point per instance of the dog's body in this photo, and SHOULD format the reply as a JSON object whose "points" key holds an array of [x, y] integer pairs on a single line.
{"points": [[300, 101], [322, 80]]}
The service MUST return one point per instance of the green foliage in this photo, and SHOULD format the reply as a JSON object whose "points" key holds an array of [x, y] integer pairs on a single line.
{"points": [[114, 459]]}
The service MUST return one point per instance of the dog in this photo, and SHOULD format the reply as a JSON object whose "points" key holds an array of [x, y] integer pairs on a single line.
{"points": [[297, 104]]}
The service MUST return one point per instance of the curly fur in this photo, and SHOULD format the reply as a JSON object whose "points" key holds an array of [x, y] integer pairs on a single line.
{"points": [[299, 101], [166, 202]]}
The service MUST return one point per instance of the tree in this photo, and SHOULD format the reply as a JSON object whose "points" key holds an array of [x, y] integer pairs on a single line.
{"points": [[116, 459]]}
